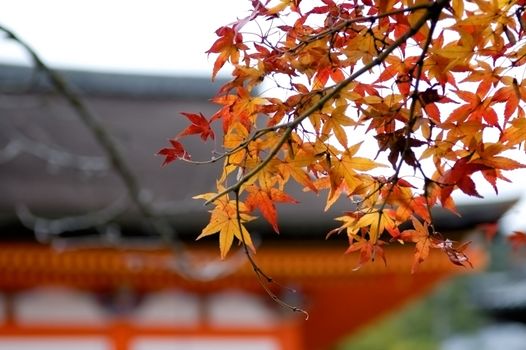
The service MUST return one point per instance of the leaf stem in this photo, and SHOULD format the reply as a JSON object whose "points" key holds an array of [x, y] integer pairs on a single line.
{"points": [[331, 92], [262, 277]]}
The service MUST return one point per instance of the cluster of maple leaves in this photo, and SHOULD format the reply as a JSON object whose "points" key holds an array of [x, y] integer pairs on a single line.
{"points": [[436, 84]]}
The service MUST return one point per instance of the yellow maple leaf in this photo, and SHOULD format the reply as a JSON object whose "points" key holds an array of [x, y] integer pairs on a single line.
{"points": [[348, 166], [227, 218], [375, 223]]}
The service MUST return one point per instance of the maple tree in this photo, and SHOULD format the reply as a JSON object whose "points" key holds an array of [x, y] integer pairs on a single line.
{"points": [[392, 105]]}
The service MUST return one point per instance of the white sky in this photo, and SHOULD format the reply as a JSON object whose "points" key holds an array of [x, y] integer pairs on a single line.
{"points": [[155, 36]]}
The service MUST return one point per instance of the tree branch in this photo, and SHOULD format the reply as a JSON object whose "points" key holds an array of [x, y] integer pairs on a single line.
{"points": [[333, 91], [159, 225], [262, 277]]}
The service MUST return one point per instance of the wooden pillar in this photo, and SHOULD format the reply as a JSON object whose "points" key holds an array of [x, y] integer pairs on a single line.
{"points": [[121, 335]]}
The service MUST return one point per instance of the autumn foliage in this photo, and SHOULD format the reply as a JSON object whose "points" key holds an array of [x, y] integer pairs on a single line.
{"points": [[390, 105]]}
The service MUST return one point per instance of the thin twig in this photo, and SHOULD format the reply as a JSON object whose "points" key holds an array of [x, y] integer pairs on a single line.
{"points": [[262, 277], [372, 18], [331, 92], [87, 117], [412, 118], [159, 225]]}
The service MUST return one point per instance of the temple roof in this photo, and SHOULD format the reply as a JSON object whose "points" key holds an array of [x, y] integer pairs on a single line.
{"points": [[51, 166], [502, 294], [24, 79]]}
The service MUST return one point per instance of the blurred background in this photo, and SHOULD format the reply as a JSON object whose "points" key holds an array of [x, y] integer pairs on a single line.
{"points": [[97, 244]]}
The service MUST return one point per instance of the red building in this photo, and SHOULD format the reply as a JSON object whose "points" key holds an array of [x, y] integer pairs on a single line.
{"points": [[80, 268]]}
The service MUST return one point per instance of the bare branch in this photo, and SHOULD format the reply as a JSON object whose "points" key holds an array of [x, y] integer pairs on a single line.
{"points": [[47, 228], [53, 156], [183, 263]]}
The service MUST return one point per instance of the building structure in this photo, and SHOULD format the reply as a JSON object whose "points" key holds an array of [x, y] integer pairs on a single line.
{"points": [[86, 268]]}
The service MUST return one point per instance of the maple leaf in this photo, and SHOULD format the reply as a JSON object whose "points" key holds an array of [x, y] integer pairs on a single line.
{"points": [[358, 72], [199, 126], [455, 254], [443, 61], [423, 243], [458, 8], [491, 176], [348, 165], [400, 196], [374, 223], [368, 251], [258, 9], [283, 4], [399, 68], [224, 220], [399, 144], [264, 200], [238, 108], [288, 169], [177, 151], [428, 100], [335, 123], [343, 171], [228, 45], [498, 162], [477, 108], [296, 162], [488, 77], [516, 132], [511, 94], [459, 176]]}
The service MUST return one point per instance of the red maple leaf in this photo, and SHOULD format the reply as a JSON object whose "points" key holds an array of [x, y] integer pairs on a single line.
{"points": [[227, 46], [459, 175], [199, 126], [175, 152]]}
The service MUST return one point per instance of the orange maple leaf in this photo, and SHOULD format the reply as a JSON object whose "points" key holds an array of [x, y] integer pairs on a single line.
{"points": [[477, 108], [510, 94], [423, 243], [380, 67], [228, 45], [368, 251], [373, 223], [515, 134], [264, 200]]}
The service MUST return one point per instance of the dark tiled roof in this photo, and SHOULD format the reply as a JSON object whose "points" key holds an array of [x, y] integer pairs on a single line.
{"points": [[501, 292], [142, 112], [20, 78]]}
